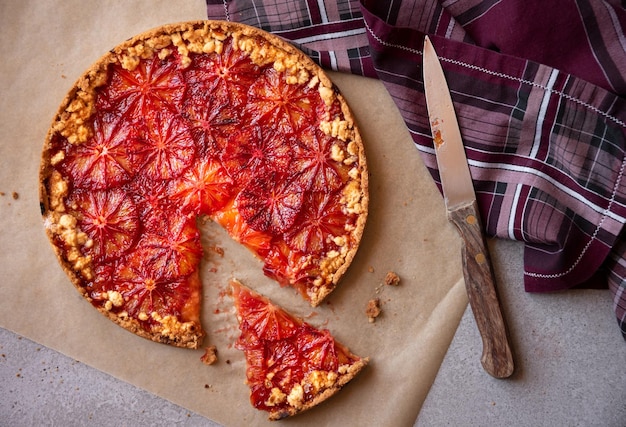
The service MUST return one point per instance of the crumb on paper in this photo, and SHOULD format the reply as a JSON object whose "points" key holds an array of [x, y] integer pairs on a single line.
{"points": [[392, 279], [310, 315], [370, 269], [373, 309], [217, 250], [210, 355], [15, 195]]}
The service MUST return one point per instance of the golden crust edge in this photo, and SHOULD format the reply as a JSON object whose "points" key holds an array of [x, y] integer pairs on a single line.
{"points": [[359, 230], [342, 380]]}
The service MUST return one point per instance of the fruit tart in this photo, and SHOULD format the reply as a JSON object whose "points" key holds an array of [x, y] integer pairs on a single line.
{"points": [[194, 120]]}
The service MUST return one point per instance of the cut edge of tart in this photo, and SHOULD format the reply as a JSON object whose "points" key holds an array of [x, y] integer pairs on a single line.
{"points": [[123, 153], [291, 366]]}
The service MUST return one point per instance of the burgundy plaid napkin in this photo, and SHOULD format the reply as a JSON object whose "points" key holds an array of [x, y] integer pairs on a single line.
{"points": [[540, 93]]}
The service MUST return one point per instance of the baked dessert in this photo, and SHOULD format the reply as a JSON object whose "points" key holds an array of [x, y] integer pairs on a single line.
{"points": [[200, 119], [290, 365]]}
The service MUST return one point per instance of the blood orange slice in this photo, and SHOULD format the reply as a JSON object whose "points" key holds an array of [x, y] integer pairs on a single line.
{"points": [[266, 321], [229, 218], [253, 151], [154, 204], [291, 366], [173, 251], [105, 160], [211, 120], [289, 267], [146, 289], [227, 76], [269, 203], [321, 225], [318, 170], [287, 108], [153, 305], [204, 188], [110, 220], [153, 84], [167, 147]]}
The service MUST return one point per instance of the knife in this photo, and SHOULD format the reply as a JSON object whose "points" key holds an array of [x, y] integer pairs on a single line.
{"points": [[460, 200]]}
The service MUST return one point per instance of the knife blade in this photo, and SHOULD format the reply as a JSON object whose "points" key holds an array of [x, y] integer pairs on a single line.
{"points": [[462, 210]]}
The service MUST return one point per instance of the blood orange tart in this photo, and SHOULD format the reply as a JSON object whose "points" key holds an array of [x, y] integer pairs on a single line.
{"points": [[291, 366], [200, 119]]}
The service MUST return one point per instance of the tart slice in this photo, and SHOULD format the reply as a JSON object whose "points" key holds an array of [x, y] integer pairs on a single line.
{"points": [[200, 119], [291, 366]]}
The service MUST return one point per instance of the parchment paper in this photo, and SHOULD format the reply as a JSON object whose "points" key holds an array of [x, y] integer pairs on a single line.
{"points": [[47, 45]]}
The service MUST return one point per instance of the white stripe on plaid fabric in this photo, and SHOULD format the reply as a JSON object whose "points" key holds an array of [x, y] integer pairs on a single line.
{"points": [[542, 112], [516, 200], [325, 36], [322, 8]]}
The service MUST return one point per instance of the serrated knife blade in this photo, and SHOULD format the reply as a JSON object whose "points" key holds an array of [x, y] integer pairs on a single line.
{"points": [[462, 209]]}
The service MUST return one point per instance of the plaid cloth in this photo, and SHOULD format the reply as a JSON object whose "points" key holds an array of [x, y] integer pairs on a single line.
{"points": [[540, 93]]}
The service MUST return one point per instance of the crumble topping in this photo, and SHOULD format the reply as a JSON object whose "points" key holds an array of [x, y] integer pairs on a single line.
{"points": [[57, 158], [337, 154], [338, 128], [319, 380], [352, 197], [114, 299], [172, 328], [72, 122], [65, 227], [312, 384], [354, 173], [327, 94], [296, 396], [276, 397], [57, 192], [340, 240]]}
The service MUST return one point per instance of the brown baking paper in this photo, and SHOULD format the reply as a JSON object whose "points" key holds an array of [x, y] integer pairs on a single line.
{"points": [[47, 45]]}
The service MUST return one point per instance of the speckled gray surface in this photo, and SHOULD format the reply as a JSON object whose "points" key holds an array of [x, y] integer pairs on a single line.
{"points": [[570, 361], [570, 371], [43, 387]]}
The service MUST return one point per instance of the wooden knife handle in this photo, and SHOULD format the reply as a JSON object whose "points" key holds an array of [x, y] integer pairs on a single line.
{"points": [[496, 359]]}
